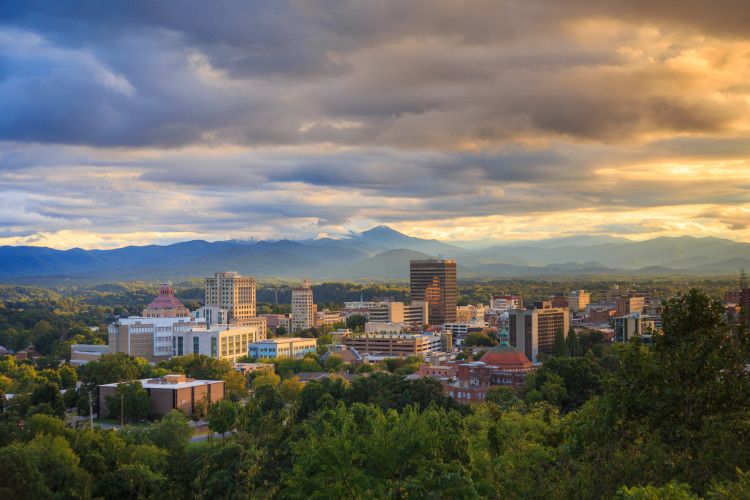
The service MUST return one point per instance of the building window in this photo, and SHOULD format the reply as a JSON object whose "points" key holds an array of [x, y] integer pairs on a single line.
{"points": [[196, 345], [213, 347]]}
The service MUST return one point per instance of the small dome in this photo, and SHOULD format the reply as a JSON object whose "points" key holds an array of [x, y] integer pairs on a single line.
{"points": [[505, 355], [166, 298]]}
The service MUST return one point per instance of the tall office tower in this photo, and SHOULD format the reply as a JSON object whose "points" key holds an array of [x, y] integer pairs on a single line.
{"points": [[303, 309], [434, 281], [233, 293], [533, 330]]}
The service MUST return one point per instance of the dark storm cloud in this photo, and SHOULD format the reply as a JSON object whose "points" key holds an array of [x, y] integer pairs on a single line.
{"points": [[182, 114], [124, 73]]}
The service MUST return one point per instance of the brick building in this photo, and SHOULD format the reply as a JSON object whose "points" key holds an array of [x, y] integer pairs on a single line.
{"points": [[170, 393]]}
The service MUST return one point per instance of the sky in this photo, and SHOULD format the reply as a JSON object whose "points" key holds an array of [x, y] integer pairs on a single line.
{"points": [[151, 122]]}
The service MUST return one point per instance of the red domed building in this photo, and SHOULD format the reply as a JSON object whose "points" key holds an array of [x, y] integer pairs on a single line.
{"points": [[468, 382], [166, 305]]}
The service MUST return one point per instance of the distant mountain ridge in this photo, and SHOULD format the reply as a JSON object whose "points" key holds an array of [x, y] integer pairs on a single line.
{"points": [[380, 253]]}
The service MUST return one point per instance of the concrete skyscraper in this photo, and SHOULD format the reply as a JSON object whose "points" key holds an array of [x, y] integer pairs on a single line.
{"points": [[434, 281], [233, 295], [303, 309]]}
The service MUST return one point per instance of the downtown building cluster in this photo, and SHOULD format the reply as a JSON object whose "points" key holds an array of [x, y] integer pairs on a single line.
{"points": [[431, 326]]}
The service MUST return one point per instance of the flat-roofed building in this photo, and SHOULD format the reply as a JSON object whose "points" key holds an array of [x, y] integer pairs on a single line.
{"points": [[218, 341], [327, 318], [627, 305], [578, 300], [635, 323], [80, 354], [395, 344], [293, 347], [172, 392], [303, 308], [434, 281], [506, 302], [533, 330], [232, 293], [148, 338], [397, 312]]}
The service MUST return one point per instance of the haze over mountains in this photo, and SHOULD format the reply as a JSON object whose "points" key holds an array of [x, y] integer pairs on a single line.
{"points": [[380, 254]]}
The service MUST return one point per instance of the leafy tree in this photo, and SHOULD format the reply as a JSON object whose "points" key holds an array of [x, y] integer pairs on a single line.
{"points": [[505, 397], [68, 377], [362, 452], [48, 393], [266, 377], [573, 345], [130, 481], [356, 322], [58, 465], [478, 339], [364, 368], [560, 347], [21, 477], [222, 416], [269, 398], [290, 389], [334, 362], [172, 432], [130, 400]]}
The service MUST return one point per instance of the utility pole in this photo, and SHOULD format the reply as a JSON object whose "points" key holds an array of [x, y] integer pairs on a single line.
{"points": [[91, 412], [122, 409]]}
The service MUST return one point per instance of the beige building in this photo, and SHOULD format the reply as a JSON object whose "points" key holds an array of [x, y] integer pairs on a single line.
{"points": [[80, 354], [148, 338], [396, 344], [232, 293], [170, 393], [303, 309], [327, 318], [626, 305], [398, 312], [578, 300]]}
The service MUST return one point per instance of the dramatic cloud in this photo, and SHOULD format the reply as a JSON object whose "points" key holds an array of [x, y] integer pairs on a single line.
{"points": [[137, 122]]}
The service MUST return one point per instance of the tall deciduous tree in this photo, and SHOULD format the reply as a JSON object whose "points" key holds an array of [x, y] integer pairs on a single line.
{"points": [[560, 347], [574, 346]]}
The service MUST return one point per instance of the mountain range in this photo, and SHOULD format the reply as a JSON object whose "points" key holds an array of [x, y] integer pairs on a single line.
{"points": [[380, 254]]}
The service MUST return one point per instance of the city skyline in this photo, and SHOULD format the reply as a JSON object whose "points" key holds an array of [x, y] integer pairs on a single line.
{"points": [[158, 122]]}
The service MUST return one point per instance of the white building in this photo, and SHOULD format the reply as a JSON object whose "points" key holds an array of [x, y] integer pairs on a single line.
{"points": [[303, 309], [218, 341]]}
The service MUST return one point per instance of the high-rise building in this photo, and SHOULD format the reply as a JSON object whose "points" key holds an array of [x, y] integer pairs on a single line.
{"points": [[303, 309], [533, 330], [231, 294], [434, 281], [627, 305]]}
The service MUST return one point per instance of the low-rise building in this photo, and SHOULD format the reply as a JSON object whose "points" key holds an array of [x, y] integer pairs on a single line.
{"points": [[80, 354], [170, 393], [218, 341], [395, 344], [293, 347], [635, 323]]}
